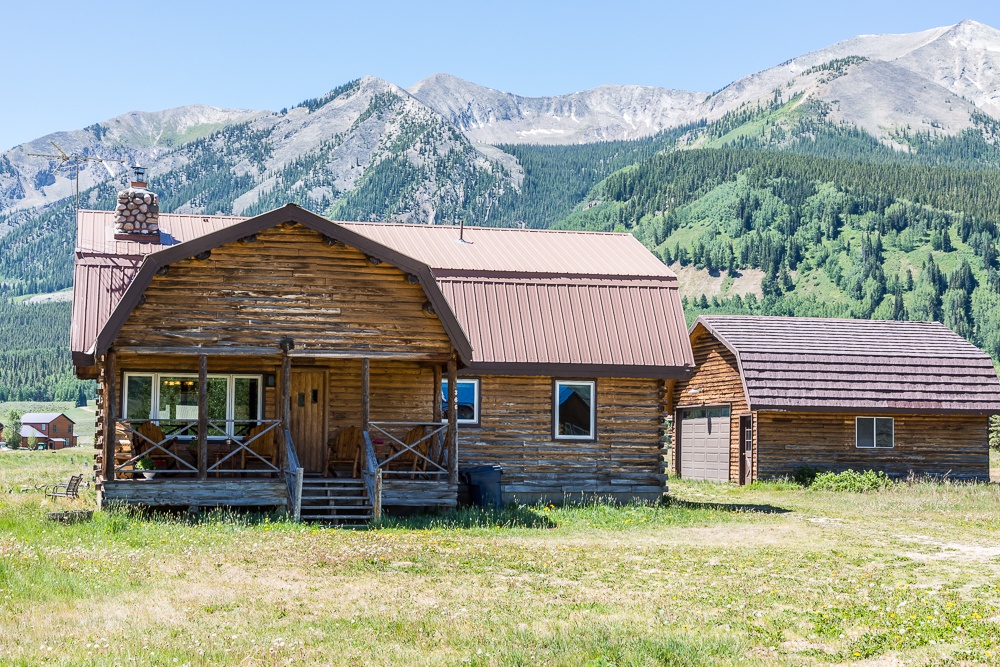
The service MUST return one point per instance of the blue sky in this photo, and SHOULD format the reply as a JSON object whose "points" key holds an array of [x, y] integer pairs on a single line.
{"points": [[62, 62]]}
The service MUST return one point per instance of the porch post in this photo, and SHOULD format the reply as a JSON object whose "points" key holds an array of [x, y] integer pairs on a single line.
{"points": [[452, 421], [366, 412], [286, 401], [202, 416], [109, 432]]}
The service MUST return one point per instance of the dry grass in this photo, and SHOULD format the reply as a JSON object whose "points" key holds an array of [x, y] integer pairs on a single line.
{"points": [[761, 576]]}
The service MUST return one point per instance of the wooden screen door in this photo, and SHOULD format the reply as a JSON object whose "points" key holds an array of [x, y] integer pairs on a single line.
{"points": [[308, 417], [746, 449]]}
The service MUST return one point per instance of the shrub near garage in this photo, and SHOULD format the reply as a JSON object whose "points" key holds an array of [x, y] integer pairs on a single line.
{"points": [[850, 480]]}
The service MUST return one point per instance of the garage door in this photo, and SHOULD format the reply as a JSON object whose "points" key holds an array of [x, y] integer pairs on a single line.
{"points": [[705, 444]]}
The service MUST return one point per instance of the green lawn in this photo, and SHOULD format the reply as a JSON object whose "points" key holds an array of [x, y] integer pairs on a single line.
{"points": [[769, 575]]}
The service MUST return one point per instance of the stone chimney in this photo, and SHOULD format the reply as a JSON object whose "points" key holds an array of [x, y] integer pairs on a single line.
{"points": [[138, 211]]}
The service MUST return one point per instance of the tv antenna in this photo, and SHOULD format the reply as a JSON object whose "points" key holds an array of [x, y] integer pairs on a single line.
{"points": [[76, 159]]}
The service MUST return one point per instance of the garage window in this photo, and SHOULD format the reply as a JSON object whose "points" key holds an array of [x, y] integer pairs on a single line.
{"points": [[874, 433], [574, 410]]}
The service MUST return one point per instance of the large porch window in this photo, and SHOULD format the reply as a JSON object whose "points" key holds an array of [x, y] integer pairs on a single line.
{"points": [[171, 400]]}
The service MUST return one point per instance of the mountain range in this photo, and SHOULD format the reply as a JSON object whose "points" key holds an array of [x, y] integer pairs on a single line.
{"points": [[898, 134], [940, 81]]}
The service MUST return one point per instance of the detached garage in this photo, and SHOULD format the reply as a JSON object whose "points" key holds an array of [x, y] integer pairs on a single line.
{"points": [[770, 395], [705, 436]]}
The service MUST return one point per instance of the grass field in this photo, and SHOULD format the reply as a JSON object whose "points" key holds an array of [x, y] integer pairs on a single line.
{"points": [[770, 575]]}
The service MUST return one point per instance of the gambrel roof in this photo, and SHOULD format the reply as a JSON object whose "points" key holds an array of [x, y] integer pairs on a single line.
{"points": [[812, 364], [514, 301]]}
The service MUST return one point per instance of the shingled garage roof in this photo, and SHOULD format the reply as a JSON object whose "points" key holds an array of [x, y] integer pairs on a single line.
{"points": [[813, 364], [519, 301]]}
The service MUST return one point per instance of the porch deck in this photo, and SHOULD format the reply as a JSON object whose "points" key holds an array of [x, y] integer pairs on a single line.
{"points": [[196, 492], [399, 471]]}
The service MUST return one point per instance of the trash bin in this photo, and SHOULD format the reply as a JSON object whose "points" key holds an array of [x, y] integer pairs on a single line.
{"points": [[484, 485]]}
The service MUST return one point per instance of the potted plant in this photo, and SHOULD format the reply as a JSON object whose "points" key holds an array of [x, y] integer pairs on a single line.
{"points": [[146, 466]]}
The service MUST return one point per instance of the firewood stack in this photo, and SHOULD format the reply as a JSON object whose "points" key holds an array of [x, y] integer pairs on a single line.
{"points": [[137, 212]]}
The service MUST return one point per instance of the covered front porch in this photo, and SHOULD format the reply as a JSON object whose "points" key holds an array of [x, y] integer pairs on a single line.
{"points": [[328, 436]]}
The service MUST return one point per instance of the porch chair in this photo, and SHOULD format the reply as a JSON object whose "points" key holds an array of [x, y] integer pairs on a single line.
{"points": [[70, 489], [344, 449], [264, 446], [153, 432], [408, 461]]}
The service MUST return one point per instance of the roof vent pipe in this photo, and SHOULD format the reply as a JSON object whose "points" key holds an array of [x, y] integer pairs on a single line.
{"points": [[461, 232], [137, 215]]}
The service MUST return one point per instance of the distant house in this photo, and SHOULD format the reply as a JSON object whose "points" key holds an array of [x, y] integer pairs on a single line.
{"points": [[770, 395], [54, 430]]}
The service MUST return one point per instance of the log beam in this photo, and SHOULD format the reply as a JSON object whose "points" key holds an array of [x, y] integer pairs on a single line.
{"points": [[365, 393], [109, 398], [202, 417], [452, 421], [286, 401]]}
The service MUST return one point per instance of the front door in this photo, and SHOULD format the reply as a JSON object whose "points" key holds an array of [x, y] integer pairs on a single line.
{"points": [[746, 449], [308, 417]]}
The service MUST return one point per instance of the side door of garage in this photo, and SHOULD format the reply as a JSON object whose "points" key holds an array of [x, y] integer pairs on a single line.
{"points": [[704, 443]]}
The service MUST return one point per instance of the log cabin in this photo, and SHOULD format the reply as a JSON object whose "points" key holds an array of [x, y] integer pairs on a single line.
{"points": [[772, 395], [336, 368]]}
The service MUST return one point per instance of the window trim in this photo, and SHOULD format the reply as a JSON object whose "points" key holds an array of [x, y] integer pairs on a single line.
{"points": [[154, 412], [476, 399], [555, 410], [875, 446]]}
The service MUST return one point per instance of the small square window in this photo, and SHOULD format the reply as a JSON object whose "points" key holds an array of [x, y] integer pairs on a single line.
{"points": [[467, 403], [574, 410], [875, 432]]}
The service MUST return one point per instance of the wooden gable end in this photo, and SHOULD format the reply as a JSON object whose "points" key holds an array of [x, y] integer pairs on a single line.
{"points": [[287, 283], [716, 381]]}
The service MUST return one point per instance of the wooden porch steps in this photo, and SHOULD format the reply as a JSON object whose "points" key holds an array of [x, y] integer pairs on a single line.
{"points": [[336, 500]]}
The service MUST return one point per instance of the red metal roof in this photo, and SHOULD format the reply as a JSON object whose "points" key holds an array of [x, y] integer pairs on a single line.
{"points": [[526, 300], [790, 363], [503, 250], [582, 323], [95, 233]]}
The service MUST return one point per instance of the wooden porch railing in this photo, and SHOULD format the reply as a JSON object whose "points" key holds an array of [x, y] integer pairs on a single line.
{"points": [[243, 446], [145, 438], [372, 474], [428, 455], [293, 476], [166, 439]]}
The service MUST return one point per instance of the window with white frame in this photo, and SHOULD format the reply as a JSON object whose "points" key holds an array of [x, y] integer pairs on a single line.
{"points": [[467, 403], [574, 410], [171, 400], [874, 433]]}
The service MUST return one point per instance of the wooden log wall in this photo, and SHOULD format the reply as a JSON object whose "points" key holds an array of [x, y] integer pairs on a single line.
{"points": [[956, 445], [323, 297], [515, 432], [716, 381], [400, 391]]}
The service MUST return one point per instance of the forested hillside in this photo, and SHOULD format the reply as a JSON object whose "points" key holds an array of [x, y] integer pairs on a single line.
{"points": [[832, 237], [34, 354]]}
